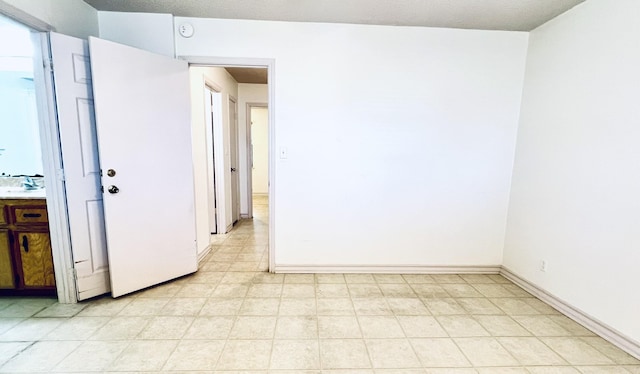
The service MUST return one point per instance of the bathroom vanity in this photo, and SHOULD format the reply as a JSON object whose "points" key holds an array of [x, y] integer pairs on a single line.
{"points": [[26, 263]]}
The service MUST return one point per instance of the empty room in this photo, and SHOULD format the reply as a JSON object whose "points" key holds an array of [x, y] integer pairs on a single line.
{"points": [[356, 186]]}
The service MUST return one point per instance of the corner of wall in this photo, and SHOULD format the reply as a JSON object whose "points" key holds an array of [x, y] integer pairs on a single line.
{"points": [[574, 175], [515, 152]]}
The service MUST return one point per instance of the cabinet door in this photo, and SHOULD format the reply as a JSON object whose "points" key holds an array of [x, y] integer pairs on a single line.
{"points": [[36, 261], [6, 267]]}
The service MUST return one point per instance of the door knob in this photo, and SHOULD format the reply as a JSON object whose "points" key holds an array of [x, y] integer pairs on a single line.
{"points": [[113, 189], [111, 173]]}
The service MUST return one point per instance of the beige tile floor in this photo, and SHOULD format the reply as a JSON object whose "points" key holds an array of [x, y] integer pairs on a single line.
{"points": [[233, 317]]}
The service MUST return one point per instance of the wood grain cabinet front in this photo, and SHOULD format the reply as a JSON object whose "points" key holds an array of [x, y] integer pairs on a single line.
{"points": [[36, 261], [26, 261], [29, 215], [7, 280]]}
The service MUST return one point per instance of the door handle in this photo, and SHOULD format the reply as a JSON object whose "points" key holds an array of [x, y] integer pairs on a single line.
{"points": [[233, 170], [25, 243], [113, 189]]}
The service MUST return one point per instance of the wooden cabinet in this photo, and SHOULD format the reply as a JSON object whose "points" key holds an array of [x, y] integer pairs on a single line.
{"points": [[7, 279], [26, 262]]}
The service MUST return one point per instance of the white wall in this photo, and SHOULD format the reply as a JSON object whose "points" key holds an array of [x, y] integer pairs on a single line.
{"points": [[260, 141], [151, 32], [201, 143], [575, 199], [409, 161], [247, 94], [70, 17]]}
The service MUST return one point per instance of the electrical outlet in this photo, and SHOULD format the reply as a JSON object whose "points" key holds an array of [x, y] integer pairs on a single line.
{"points": [[543, 266]]}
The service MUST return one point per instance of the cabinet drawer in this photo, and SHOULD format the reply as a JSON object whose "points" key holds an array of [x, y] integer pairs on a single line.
{"points": [[29, 214]]}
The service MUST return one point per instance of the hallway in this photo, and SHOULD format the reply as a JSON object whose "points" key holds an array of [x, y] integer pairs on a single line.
{"points": [[232, 316]]}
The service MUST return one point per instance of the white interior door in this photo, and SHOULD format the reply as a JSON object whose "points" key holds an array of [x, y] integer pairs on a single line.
{"points": [[143, 120], [235, 182], [76, 122], [211, 177]]}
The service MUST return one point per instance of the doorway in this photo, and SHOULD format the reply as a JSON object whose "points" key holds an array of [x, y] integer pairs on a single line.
{"points": [[29, 235], [230, 144], [258, 118]]}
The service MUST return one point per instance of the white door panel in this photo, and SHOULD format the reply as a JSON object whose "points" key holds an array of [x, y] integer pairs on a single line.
{"points": [[76, 121], [211, 175], [235, 183], [143, 121]]}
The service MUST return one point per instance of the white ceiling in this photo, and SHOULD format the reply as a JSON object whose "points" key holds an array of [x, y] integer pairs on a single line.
{"points": [[516, 15]]}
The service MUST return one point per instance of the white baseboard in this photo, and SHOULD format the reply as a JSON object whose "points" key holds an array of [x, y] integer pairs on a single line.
{"points": [[388, 269], [603, 330], [203, 254]]}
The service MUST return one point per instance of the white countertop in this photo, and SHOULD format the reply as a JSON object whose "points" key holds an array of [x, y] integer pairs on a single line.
{"points": [[21, 193]]}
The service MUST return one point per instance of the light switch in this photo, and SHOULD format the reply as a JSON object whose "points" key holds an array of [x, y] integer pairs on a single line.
{"points": [[283, 153]]}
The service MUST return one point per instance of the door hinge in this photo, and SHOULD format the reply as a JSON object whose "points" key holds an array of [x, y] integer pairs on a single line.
{"points": [[60, 174], [102, 189], [47, 63]]}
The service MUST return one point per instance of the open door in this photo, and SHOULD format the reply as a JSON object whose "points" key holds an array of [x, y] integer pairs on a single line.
{"points": [[211, 174], [235, 175], [76, 123], [142, 111]]}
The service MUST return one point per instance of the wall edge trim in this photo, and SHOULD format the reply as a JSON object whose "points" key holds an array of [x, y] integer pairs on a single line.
{"points": [[601, 329], [203, 254], [389, 269]]}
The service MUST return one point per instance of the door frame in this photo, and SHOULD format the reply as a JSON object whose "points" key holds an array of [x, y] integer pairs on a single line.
{"points": [[270, 65], [59, 230], [57, 209]]}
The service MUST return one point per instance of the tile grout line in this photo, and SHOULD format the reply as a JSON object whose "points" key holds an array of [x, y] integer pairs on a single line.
{"points": [[315, 300]]}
